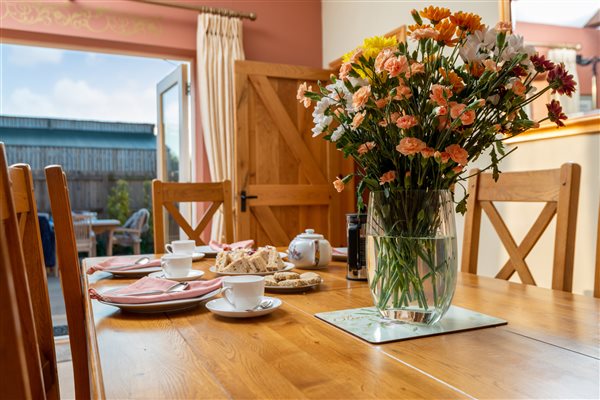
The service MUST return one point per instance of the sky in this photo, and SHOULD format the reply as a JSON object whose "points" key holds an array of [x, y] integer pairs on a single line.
{"points": [[56, 83]]}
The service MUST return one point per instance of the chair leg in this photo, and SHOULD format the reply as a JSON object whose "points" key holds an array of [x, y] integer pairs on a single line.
{"points": [[136, 248], [109, 244]]}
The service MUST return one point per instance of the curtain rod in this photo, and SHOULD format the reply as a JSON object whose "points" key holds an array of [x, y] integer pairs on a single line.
{"points": [[572, 46], [203, 9]]}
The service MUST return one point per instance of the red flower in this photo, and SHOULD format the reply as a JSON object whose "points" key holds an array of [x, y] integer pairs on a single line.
{"points": [[555, 113], [519, 71], [561, 81], [541, 64]]}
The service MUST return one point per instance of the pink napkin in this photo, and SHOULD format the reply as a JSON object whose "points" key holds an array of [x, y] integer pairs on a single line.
{"points": [[124, 262], [244, 244], [340, 252], [195, 289]]}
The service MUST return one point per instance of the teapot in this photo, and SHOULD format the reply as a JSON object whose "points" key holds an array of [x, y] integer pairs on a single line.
{"points": [[309, 250]]}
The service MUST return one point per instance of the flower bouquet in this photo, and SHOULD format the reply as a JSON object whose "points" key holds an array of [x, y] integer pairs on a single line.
{"points": [[413, 115]]}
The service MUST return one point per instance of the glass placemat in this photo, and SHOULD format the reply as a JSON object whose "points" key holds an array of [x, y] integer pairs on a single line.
{"points": [[367, 324]]}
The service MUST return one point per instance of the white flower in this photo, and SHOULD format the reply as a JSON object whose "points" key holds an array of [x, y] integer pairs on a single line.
{"points": [[337, 133], [478, 46], [358, 82], [514, 47]]}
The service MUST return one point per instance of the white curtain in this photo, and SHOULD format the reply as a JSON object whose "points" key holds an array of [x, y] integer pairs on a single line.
{"points": [[570, 105], [219, 45]]}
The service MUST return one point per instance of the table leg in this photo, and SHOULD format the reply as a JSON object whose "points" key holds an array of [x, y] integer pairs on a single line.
{"points": [[109, 245]]}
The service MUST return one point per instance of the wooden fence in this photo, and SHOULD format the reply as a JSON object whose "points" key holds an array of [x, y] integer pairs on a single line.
{"points": [[91, 173]]}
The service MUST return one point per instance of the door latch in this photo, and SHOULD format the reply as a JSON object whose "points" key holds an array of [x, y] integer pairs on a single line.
{"points": [[245, 197]]}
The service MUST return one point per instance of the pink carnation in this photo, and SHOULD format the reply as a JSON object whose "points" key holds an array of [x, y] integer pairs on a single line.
{"points": [[389, 176], [406, 122], [409, 146], [458, 154], [365, 147]]}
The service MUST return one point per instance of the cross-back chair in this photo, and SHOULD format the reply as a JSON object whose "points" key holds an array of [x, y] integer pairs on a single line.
{"points": [[558, 188], [29, 232], [34, 363], [70, 276], [165, 195]]}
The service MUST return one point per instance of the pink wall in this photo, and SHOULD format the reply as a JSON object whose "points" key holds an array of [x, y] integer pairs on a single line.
{"points": [[285, 32], [588, 38]]}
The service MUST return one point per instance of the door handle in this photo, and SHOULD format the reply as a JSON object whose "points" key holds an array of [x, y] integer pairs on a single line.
{"points": [[244, 197]]}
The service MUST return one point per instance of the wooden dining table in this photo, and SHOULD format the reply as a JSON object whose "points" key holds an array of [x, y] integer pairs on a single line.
{"points": [[548, 349]]}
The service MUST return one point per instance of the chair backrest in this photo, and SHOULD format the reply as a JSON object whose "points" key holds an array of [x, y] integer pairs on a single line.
{"points": [[558, 188], [167, 194], [70, 276], [19, 280], [29, 230], [13, 368], [82, 227], [138, 220]]}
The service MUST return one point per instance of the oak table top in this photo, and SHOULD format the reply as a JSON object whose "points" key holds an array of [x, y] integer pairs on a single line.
{"points": [[549, 349]]}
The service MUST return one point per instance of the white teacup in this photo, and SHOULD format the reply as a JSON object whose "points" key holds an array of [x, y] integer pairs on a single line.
{"points": [[243, 292], [181, 247], [176, 265]]}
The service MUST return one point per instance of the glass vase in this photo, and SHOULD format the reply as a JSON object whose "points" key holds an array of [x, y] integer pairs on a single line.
{"points": [[411, 254]]}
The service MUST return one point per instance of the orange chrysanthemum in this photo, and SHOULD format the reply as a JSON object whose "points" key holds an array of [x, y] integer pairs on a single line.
{"points": [[475, 68], [454, 80], [446, 31], [411, 28], [467, 21], [435, 14]]}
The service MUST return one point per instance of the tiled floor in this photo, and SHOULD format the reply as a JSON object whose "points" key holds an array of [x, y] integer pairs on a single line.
{"points": [[65, 369]]}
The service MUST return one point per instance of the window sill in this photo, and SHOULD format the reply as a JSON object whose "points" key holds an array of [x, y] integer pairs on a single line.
{"points": [[587, 124]]}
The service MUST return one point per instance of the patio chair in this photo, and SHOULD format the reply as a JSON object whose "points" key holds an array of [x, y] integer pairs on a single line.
{"points": [[84, 234], [130, 234], [558, 188]]}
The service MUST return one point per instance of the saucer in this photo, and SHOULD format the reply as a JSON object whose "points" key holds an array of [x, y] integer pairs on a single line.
{"points": [[223, 308], [197, 256], [192, 276]]}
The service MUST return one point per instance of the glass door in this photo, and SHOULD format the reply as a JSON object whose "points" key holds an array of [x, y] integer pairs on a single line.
{"points": [[174, 141]]}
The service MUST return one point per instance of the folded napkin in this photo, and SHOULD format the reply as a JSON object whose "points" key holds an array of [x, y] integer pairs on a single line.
{"points": [[340, 252], [124, 262], [195, 289], [244, 244]]}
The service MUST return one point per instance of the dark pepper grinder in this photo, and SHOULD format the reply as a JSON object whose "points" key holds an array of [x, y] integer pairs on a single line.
{"points": [[357, 257]]}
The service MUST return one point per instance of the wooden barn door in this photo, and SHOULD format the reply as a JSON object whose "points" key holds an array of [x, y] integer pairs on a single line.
{"points": [[283, 176]]}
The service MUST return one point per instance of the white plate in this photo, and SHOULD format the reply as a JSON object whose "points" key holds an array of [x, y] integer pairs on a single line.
{"points": [[340, 257], [198, 256], [207, 250], [288, 266], [136, 273], [223, 308], [291, 289], [163, 306], [192, 276], [210, 252]]}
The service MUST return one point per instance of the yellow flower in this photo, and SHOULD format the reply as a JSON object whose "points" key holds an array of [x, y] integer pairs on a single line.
{"points": [[372, 46]]}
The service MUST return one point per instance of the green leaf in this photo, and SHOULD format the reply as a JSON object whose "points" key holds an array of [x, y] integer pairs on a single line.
{"points": [[461, 206]]}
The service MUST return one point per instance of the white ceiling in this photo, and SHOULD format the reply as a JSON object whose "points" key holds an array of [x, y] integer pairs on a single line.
{"points": [[573, 13]]}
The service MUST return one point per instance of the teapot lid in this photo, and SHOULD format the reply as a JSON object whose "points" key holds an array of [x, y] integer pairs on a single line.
{"points": [[310, 234]]}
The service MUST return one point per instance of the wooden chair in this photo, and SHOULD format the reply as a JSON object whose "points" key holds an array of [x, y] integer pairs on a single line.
{"points": [[14, 377], [70, 276], [84, 234], [29, 230], [130, 234], [20, 282], [166, 194], [559, 188]]}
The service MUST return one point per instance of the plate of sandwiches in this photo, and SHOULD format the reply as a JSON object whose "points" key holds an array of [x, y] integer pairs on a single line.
{"points": [[262, 261], [289, 282]]}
